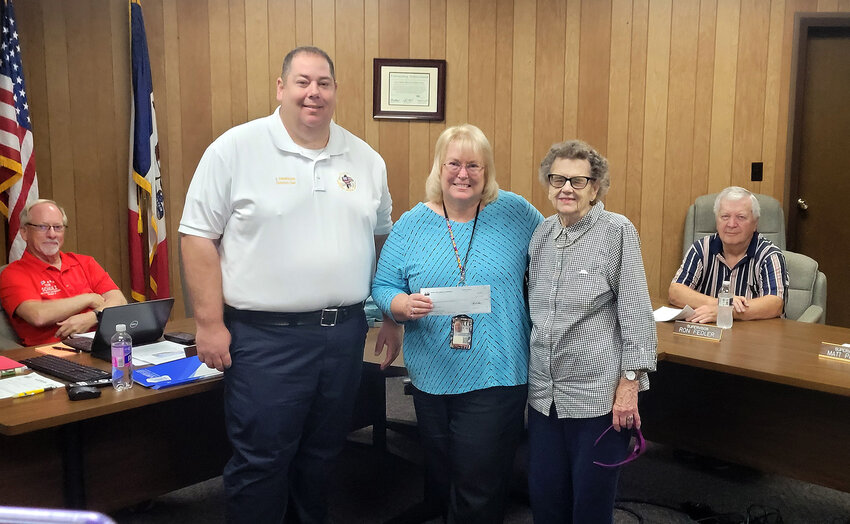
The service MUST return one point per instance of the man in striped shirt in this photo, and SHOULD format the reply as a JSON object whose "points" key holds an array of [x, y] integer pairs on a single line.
{"points": [[753, 265]]}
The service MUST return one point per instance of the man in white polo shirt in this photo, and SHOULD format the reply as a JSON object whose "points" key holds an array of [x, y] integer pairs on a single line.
{"points": [[282, 225]]}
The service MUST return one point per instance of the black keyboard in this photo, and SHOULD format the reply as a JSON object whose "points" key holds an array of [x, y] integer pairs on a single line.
{"points": [[65, 369]]}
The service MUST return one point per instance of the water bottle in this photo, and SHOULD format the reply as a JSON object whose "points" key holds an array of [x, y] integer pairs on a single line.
{"points": [[724, 306], [122, 359]]}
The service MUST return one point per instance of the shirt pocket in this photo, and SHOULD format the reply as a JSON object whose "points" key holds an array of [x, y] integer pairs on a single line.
{"points": [[584, 286]]}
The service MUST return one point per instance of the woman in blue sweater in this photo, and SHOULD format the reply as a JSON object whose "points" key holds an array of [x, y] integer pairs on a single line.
{"points": [[469, 372]]}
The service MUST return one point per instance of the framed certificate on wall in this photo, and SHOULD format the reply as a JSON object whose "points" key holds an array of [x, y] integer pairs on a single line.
{"points": [[409, 89]]}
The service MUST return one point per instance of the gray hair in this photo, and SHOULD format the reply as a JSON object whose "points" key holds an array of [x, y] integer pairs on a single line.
{"points": [[737, 193], [25, 214], [578, 150], [310, 50]]}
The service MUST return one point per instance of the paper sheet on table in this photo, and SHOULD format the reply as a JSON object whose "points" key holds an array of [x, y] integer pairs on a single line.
{"points": [[666, 314], [464, 300], [12, 386], [158, 353]]}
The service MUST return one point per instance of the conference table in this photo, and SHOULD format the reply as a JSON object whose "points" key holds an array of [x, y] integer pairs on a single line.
{"points": [[131, 446], [761, 397]]}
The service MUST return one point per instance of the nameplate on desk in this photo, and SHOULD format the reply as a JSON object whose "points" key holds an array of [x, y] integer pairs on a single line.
{"points": [[692, 329], [834, 352]]}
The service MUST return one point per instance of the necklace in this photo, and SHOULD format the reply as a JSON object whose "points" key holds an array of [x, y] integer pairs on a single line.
{"points": [[461, 265]]}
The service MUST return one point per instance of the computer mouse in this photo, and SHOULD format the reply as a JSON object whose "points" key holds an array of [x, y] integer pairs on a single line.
{"points": [[83, 392]]}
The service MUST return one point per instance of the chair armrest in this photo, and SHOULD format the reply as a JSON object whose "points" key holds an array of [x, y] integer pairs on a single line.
{"points": [[811, 315], [8, 343]]}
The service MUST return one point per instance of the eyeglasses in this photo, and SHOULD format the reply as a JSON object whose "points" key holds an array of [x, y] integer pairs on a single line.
{"points": [[44, 228], [640, 447], [473, 168], [578, 182]]}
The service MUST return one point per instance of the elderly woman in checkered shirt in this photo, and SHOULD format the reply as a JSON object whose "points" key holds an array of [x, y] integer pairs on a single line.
{"points": [[592, 341]]}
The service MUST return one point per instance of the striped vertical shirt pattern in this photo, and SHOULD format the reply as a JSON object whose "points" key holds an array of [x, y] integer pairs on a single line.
{"points": [[591, 313], [761, 272], [418, 253]]}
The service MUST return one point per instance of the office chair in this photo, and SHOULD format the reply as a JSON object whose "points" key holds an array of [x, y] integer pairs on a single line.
{"points": [[8, 338], [700, 222], [806, 300]]}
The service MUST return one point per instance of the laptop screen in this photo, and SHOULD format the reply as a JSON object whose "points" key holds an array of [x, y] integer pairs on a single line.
{"points": [[145, 323]]}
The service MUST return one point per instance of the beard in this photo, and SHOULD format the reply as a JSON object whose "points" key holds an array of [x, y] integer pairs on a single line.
{"points": [[50, 249]]}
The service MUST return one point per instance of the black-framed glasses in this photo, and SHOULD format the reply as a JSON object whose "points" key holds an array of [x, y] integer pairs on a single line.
{"points": [[473, 168], [44, 228], [640, 447], [578, 182]]}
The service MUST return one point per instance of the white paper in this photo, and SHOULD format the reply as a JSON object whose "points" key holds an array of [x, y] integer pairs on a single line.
{"points": [[205, 371], [90, 334], [666, 314], [463, 300], [158, 353], [12, 386]]}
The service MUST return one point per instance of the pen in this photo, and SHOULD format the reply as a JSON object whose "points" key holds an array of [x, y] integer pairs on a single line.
{"points": [[32, 392], [63, 348], [13, 372]]}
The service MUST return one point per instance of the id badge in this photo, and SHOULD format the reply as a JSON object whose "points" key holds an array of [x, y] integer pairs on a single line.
{"points": [[461, 337]]}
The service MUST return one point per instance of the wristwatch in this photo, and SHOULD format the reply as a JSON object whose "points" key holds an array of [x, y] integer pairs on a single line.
{"points": [[630, 375]]}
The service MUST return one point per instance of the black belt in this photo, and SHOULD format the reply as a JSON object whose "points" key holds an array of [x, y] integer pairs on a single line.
{"points": [[330, 316]]}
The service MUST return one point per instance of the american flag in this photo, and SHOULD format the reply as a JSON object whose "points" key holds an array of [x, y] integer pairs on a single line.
{"points": [[18, 183]]}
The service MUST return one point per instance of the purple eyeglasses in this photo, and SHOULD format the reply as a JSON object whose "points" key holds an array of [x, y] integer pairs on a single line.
{"points": [[640, 447]]}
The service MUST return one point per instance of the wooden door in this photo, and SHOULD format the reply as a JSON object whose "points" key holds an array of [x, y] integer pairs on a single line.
{"points": [[819, 193]]}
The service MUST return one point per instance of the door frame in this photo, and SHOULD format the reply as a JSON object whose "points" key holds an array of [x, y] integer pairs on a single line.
{"points": [[803, 24]]}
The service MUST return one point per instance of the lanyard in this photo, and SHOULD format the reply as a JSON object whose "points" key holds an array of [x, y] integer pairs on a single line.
{"points": [[462, 266]]}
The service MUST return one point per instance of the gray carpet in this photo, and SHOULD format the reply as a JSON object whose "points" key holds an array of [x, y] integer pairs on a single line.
{"points": [[372, 487]]}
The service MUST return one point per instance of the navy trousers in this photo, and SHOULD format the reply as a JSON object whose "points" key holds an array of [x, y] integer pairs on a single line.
{"points": [[288, 401], [469, 441], [564, 484]]}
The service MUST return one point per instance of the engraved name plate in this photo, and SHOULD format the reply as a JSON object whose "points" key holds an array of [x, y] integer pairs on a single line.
{"points": [[693, 329]]}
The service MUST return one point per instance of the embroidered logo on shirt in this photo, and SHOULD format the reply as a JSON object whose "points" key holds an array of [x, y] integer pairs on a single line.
{"points": [[285, 180], [346, 183], [49, 288]]}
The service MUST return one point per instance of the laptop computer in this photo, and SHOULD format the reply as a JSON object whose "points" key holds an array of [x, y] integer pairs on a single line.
{"points": [[145, 322]]}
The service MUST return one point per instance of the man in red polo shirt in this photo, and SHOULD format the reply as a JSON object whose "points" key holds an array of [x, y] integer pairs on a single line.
{"points": [[50, 295]]}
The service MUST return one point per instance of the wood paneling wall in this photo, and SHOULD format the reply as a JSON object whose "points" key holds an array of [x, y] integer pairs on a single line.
{"points": [[681, 96]]}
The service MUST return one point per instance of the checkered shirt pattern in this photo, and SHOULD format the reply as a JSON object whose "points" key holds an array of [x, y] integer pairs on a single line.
{"points": [[590, 311]]}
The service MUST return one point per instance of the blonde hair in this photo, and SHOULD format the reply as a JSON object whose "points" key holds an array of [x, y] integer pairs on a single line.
{"points": [[470, 138]]}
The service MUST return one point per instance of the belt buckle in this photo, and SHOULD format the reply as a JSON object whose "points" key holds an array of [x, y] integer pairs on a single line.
{"points": [[329, 323]]}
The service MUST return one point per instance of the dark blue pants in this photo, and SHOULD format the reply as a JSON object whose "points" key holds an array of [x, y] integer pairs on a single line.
{"points": [[564, 484], [469, 441], [288, 400]]}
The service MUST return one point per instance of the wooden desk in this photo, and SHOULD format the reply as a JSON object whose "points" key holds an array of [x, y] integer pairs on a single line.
{"points": [[58, 453], [759, 397]]}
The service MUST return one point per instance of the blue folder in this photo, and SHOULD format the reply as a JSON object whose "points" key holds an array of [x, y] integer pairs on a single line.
{"points": [[174, 373]]}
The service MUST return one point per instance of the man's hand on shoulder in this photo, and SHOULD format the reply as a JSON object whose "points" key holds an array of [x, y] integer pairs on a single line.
{"points": [[213, 342]]}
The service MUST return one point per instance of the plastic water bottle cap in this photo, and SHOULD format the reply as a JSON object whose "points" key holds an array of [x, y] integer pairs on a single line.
{"points": [[120, 327]]}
